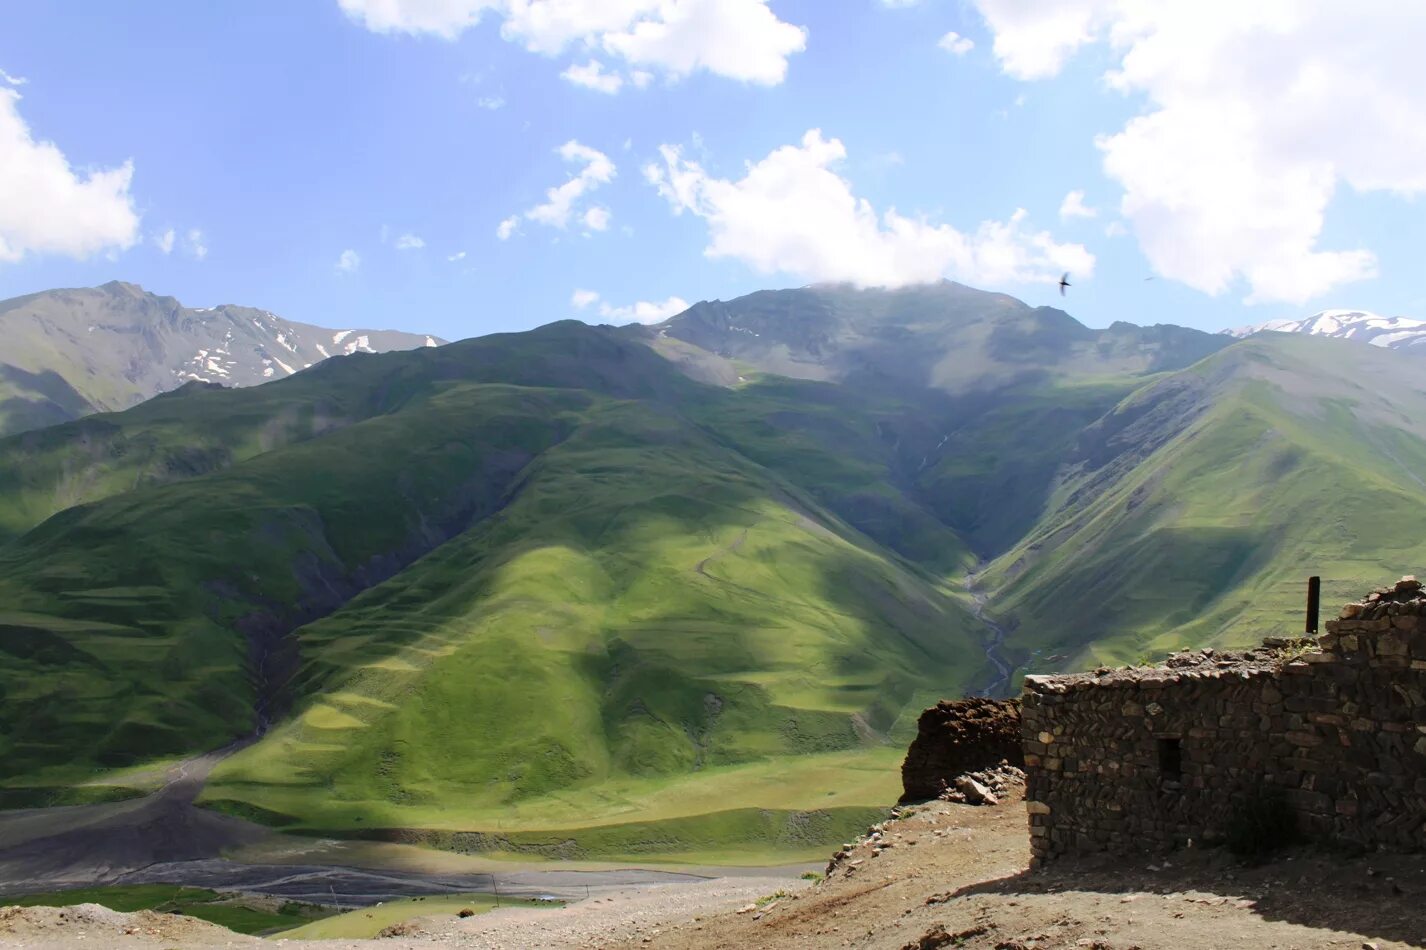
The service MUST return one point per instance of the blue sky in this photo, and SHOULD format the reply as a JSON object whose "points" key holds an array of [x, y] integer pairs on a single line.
{"points": [[290, 146]]}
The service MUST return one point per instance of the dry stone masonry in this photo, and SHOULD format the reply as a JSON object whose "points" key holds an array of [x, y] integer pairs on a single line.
{"points": [[956, 738], [1151, 758]]}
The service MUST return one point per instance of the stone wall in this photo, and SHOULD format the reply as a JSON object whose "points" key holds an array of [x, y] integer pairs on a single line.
{"points": [[1148, 759], [957, 737]]}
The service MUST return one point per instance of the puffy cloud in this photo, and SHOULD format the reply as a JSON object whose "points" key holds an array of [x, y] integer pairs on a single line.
{"points": [[409, 242], [349, 261], [445, 18], [165, 241], [597, 218], [791, 213], [491, 102], [457, 256], [956, 44], [1033, 40], [739, 39], [645, 311], [592, 76], [46, 208], [1074, 207], [1257, 114], [197, 243], [560, 201], [12, 80]]}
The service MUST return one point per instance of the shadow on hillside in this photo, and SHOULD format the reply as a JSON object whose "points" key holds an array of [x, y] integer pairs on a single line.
{"points": [[1377, 895]]}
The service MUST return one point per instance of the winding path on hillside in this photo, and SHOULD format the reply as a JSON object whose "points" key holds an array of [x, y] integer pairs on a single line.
{"points": [[999, 683]]}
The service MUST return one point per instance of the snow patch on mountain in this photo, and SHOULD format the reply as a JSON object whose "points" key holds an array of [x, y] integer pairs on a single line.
{"points": [[1362, 326]]}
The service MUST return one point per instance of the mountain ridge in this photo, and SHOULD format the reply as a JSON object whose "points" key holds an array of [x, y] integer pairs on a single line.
{"points": [[1361, 326], [70, 352], [633, 588]]}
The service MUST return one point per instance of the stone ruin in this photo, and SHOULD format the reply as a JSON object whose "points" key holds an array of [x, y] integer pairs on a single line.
{"points": [[961, 739], [1332, 729]]}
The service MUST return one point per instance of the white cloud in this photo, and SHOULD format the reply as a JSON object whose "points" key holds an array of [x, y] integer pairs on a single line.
{"points": [[738, 39], [1115, 229], [560, 201], [197, 244], [164, 242], [791, 213], [899, 3], [956, 44], [645, 311], [349, 261], [592, 76], [46, 208], [1256, 114], [12, 80], [445, 18], [491, 102], [597, 218], [409, 242], [1074, 207], [1032, 41], [457, 256]]}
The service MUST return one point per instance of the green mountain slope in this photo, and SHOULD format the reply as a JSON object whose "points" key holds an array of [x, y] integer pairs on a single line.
{"points": [[675, 590], [525, 568], [1193, 513]]}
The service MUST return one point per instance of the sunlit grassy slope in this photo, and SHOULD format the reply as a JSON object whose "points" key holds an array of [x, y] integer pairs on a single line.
{"points": [[574, 590], [545, 595], [1194, 513]]}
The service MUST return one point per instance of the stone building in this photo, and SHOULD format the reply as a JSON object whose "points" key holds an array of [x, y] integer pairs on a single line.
{"points": [[1332, 729]]}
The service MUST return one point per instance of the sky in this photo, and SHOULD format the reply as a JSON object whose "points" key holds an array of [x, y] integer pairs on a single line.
{"points": [[461, 167]]}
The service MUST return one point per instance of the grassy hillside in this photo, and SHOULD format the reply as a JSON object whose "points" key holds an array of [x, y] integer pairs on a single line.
{"points": [[518, 570], [1194, 512], [548, 594]]}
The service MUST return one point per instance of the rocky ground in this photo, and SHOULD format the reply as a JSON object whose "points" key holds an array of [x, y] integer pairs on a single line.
{"points": [[943, 874]]}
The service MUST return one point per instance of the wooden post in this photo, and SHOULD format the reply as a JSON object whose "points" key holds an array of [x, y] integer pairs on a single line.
{"points": [[1314, 603]]}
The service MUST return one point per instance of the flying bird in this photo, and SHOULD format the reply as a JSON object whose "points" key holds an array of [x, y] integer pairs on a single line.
{"points": [[1064, 282]]}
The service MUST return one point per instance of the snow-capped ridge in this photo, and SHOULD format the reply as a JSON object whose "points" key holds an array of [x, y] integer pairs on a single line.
{"points": [[1362, 326]]}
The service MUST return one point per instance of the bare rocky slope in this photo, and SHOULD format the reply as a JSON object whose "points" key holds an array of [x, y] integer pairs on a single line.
{"points": [[69, 353]]}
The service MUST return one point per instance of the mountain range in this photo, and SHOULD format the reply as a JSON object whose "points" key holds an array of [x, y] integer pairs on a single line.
{"points": [[1363, 326], [676, 590], [67, 353]]}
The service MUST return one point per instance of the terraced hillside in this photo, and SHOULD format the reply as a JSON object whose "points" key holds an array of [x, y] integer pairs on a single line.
{"points": [[677, 591]]}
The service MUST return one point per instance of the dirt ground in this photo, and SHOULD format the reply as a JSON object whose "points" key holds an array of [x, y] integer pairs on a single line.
{"points": [[941, 875], [950, 875]]}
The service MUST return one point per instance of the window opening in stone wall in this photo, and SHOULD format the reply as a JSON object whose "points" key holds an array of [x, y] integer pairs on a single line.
{"points": [[1171, 759]]}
